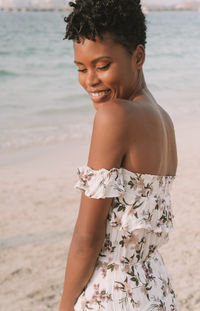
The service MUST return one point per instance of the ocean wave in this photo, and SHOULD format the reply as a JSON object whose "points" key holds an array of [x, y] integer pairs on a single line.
{"points": [[5, 53], [16, 139], [6, 73]]}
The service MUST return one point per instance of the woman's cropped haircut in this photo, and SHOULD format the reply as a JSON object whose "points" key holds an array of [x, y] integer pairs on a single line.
{"points": [[122, 18]]}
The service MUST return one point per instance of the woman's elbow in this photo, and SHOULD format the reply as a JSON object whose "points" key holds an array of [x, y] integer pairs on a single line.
{"points": [[88, 241]]}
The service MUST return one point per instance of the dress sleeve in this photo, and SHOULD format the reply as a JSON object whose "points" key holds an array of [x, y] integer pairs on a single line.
{"points": [[100, 184]]}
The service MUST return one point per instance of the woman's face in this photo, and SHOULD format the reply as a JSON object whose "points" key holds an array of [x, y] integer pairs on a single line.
{"points": [[106, 70]]}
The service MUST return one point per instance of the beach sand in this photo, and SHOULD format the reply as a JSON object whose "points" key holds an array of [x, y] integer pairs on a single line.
{"points": [[39, 206]]}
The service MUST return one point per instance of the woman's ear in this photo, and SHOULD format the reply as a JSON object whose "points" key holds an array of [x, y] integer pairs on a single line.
{"points": [[139, 55]]}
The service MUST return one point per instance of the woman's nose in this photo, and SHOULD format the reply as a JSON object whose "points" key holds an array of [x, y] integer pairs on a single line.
{"points": [[92, 78]]}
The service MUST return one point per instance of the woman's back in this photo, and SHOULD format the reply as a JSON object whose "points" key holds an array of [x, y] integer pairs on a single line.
{"points": [[151, 138]]}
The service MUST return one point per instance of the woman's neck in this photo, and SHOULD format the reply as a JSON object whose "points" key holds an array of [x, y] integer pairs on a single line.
{"points": [[141, 87]]}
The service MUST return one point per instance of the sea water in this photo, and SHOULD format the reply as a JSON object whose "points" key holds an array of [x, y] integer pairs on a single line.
{"points": [[41, 101]]}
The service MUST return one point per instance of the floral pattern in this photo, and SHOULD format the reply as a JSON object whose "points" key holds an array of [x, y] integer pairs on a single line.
{"points": [[130, 273]]}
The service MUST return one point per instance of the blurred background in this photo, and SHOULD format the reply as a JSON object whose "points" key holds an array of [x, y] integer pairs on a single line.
{"points": [[45, 127], [40, 99]]}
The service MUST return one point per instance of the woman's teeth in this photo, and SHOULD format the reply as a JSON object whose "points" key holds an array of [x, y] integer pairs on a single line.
{"points": [[97, 94]]}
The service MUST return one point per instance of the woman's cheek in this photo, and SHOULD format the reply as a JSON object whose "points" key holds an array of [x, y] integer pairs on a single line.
{"points": [[108, 77]]}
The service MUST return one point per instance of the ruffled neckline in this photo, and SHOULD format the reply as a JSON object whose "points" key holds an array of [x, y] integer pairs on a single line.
{"points": [[101, 183], [143, 200], [130, 172]]}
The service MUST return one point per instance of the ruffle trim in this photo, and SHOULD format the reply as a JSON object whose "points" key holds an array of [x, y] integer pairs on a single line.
{"points": [[140, 212], [100, 183], [119, 182], [131, 226], [155, 222]]}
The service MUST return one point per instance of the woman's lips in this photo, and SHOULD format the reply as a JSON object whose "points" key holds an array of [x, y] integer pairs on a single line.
{"points": [[99, 96]]}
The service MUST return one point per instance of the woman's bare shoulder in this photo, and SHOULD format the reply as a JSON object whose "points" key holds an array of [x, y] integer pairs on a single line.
{"points": [[115, 105], [118, 109], [121, 117], [109, 137], [111, 116]]}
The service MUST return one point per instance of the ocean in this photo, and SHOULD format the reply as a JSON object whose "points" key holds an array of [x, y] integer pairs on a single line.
{"points": [[41, 101]]}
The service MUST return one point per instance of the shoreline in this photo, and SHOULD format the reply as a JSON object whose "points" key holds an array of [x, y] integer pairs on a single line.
{"points": [[38, 152], [186, 131]]}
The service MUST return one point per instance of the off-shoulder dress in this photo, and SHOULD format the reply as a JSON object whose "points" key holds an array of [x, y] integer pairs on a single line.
{"points": [[130, 273]]}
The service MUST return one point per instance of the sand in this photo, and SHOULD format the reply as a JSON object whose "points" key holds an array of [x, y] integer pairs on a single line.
{"points": [[39, 205]]}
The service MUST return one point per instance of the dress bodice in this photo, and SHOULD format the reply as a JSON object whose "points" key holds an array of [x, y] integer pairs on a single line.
{"points": [[140, 216]]}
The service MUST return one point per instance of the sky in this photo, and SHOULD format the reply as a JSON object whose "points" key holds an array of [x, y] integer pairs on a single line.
{"points": [[63, 2]]}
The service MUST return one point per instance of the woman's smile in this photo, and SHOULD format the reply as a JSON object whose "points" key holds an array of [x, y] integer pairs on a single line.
{"points": [[100, 96]]}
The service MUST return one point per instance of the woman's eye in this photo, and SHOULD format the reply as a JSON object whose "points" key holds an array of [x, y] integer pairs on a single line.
{"points": [[82, 70], [99, 68], [104, 67]]}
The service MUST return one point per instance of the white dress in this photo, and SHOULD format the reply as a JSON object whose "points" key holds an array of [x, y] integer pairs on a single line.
{"points": [[130, 273]]}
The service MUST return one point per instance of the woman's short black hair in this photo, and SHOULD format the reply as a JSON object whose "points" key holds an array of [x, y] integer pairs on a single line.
{"points": [[92, 18]]}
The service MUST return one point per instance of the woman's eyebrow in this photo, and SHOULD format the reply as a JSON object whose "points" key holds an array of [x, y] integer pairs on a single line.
{"points": [[78, 63], [99, 58], [94, 60]]}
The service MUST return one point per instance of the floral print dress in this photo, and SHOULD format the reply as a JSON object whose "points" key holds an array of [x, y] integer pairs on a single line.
{"points": [[130, 274]]}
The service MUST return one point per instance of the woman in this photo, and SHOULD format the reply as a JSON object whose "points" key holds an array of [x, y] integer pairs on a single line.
{"points": [[125, 213]]}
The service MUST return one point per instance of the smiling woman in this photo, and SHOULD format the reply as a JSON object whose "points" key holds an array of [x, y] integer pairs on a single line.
{"points": [[107, 71], [125, 211], [99, 64]]}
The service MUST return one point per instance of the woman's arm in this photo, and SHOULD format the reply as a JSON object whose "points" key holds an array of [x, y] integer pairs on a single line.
{"points": [[84, 250], [107, 149]]}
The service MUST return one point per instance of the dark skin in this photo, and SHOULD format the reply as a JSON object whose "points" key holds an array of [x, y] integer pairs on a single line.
{"points": [[130, 130], [106, 65]]}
